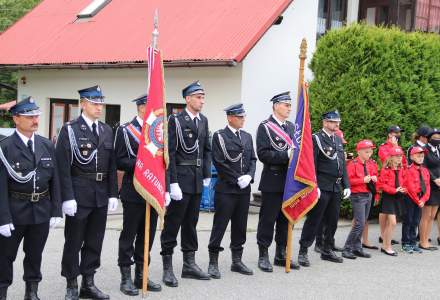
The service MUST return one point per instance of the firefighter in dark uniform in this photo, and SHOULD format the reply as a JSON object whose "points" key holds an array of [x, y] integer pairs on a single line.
{"points": [[332, 177], [234, 158], [274, 146], [87, 169], [30, 199], [189, 170], [131, 240]]}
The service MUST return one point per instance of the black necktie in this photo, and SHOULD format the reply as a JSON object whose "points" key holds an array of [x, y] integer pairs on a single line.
{"points": [[396, 178], [196, 122], [370, 185], [95, 131], [237, 133], [422, 182], [31, 150], [284, 127]]}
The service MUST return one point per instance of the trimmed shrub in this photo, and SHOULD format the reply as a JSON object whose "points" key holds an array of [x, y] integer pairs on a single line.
{"points": [[376, 77]]}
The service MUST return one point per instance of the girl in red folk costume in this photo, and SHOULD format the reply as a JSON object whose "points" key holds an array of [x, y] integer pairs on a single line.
{"points": [[391, 181], [362, 173], [417, 185]]}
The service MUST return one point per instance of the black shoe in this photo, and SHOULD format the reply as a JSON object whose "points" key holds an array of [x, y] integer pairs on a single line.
{"points": [[190, 269], [280, 258], [31, 291], [263, 260], [303, 259], [153, 287], [438, 240], [89, 290], [127, 287], [361, 253], [430, 248], [3, 293], [317, 248], [394, 253], [213, 270], [168, 275], [348, 254], [370, 247], [238, 265], [138, 280], [72, 289], [329, 255]]}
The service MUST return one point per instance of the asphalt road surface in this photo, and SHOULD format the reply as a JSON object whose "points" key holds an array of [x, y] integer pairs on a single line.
{"points": [[408, 276]]}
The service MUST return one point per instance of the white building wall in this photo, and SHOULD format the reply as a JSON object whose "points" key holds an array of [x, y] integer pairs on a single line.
{"points": [[272, 66], [222, 85]]}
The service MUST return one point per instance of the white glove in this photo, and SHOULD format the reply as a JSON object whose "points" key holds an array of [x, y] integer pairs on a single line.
{"points": [[243, 181], [319, 193], [69, 207], [347, 193], [167, 199], [112, 204], [54, 221], [176, 192], [289, 152], [206, 181], [6, 229]]}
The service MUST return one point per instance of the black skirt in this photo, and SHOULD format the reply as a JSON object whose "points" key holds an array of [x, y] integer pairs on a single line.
{"points": [[434, 197], [391, 204]]}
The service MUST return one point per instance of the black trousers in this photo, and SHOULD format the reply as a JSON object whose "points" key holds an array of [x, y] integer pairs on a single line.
{"points": [[270, 213], [233, 207], [181, 214], [131, 240], [83, 233], [410, 222], [34, 239], [326, 211]]}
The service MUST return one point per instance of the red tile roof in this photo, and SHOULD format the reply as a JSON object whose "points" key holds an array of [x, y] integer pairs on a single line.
{"points": [[190, 31]]}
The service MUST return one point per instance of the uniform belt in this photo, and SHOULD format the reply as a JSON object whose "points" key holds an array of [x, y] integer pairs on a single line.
{"points": [[190, 162], [277, 168], [33, 197], [91, 176]]}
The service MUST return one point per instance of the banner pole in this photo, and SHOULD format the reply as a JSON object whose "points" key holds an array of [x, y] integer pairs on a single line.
{"points": [[290, 225], [289, 246], [302, 59], [146, 249]]}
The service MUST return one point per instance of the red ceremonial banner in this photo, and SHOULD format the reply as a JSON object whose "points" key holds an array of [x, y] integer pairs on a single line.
{"points": [[152, 156]]}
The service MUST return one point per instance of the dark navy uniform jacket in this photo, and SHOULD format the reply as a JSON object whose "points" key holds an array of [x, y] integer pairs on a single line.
{"points": [[190, 178], [275, 162], [228, 172], [125, 161], [87, 192], [331, 174], [21, 211]]}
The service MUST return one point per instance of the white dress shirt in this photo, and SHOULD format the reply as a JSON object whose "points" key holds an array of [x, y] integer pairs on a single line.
{"points": [[25, 139], [90, 123]]}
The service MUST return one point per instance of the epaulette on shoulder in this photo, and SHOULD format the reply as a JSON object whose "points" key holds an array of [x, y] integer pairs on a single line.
{"points": [[264, 122], [3, 139], [71, 122]]}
